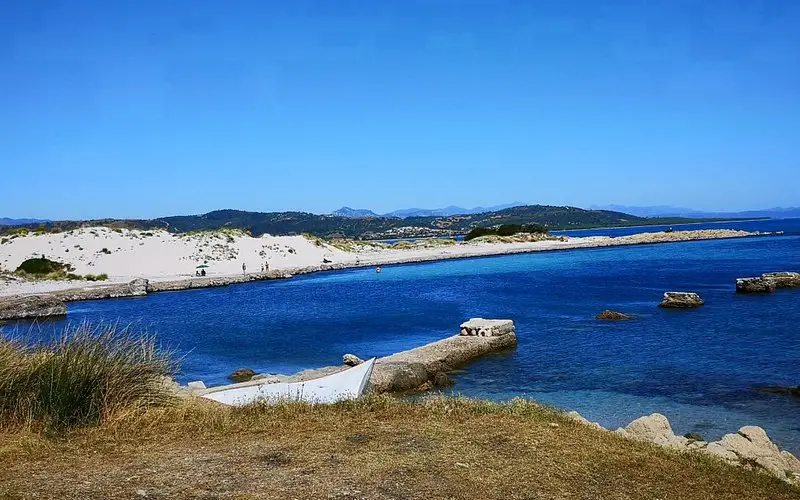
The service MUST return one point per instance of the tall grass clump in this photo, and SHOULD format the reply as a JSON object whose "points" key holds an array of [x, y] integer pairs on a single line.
{"points": [[84, 376]]}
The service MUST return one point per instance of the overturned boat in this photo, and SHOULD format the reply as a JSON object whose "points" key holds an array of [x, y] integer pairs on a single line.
{"points": [[346, 384]]}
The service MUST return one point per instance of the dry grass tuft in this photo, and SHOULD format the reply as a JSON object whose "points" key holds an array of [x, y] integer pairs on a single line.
{"points": [[85, 375]]}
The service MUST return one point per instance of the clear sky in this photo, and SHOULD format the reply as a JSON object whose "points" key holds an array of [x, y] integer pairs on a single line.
{"points": [[145, 108]]}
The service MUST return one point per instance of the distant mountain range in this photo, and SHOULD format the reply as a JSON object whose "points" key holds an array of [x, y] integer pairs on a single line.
{"points": [[5, 221], [669, 211], [378, 227], [423, 212]]}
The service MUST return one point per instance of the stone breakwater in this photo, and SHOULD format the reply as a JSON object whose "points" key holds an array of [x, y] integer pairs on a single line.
{"points": [[750, 447], [142, 286], [416, 369]]}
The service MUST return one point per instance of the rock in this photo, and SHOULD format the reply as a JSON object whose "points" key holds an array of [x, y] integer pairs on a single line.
{"points": [[776, 389], [693, 436], [31, 306], [783, 279], [574, 415], [242, 375], [612, 315], [441, 379], [754, 285], [479, 327], [266, 378], [751, 447], [681, 300], [655, 429], [351, 360], [197, 384]]}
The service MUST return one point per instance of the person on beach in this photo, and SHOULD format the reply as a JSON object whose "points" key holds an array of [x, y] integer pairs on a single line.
{"points": [[266, 266], [244, 268]]}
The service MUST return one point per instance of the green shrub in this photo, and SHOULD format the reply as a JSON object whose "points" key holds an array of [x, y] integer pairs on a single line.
{"points": [[504, 230], [82, 377], [42, 266], [102, 277], [89, 277], [105, 251]]}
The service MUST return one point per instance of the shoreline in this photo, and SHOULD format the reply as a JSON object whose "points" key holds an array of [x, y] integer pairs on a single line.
{"points": [[139, 286]]}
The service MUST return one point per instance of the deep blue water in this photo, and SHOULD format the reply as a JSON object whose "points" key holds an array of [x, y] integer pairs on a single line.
{"points": [[698, 367]]}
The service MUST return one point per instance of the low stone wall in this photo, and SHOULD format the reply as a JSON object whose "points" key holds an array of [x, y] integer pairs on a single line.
{"points": [[32, 307], [212, 281]]}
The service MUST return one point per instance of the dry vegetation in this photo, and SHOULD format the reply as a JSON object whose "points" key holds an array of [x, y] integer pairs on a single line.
{"points": [[375, 448], [90, 417]]}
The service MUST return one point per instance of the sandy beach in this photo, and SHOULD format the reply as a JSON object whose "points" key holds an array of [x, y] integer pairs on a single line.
{"points": [[125, 254]]}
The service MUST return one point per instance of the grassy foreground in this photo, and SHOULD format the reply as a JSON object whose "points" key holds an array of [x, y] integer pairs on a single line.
{"points": [[378, 447]]}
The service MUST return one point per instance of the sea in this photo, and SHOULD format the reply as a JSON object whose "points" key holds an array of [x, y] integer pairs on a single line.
{"points": [[702, 368]]}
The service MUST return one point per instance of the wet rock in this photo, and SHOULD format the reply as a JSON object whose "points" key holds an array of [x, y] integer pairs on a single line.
{"points": [[752, 448], [31, 306], [351, 360], [242, 375], [441, 380], [654, 428], [612, 315], [754, 285], [681, 300]]}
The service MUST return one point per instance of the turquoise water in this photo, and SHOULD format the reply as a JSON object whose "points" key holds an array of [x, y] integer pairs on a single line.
{"points": [[698, 367]]}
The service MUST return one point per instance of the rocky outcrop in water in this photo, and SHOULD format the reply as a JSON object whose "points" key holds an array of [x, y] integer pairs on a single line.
{"points": [[776, 389], [612, 315], [681, 300], [754, 285], [768, 282], [351, 360], [242, 375], [32, 307], [654, 428], [479, 327]]}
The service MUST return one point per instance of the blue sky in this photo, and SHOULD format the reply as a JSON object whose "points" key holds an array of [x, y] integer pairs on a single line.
{"points": [[150, 108]]}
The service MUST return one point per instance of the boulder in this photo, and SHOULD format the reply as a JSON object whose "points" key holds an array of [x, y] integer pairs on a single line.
{"points": [[242, 375], [654, 429], [681, 300], [351, 360], [751, 447], [574, 415], [783, 279], [196, 385], [612, 315], [754, 285], [31, 306], [693, 436]]}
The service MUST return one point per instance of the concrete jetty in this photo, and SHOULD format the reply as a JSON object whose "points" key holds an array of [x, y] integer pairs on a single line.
{"points": [[416, 369]]}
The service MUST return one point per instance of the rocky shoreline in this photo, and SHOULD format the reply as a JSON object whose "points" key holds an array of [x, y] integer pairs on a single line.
{"points": [[750, 447]]}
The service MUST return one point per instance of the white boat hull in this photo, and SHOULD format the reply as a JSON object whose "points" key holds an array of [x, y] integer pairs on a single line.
{"points": [[347, 384]]}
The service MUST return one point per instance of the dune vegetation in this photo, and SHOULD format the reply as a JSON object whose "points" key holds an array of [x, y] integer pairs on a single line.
{"points": [[89, 416]]}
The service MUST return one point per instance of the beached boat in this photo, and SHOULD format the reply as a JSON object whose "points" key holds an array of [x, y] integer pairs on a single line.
{"points": [[346, 384]]}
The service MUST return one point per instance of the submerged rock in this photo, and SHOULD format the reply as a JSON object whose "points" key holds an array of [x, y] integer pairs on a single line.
{"points": [[31, 306], [242, 375], [776, 389], [754, 285], [351, 360], [612, 315], [681, 300]]}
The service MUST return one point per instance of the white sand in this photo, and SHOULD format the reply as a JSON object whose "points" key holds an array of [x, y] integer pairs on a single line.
{"points": [[159, 255]]}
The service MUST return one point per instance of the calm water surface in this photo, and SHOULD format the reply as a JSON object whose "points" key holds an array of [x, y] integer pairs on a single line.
{"points": [[698, 367]]}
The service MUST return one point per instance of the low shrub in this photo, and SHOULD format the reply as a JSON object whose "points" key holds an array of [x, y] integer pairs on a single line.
{"points": [[505, 230], [42, 266], [85, 375]]}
